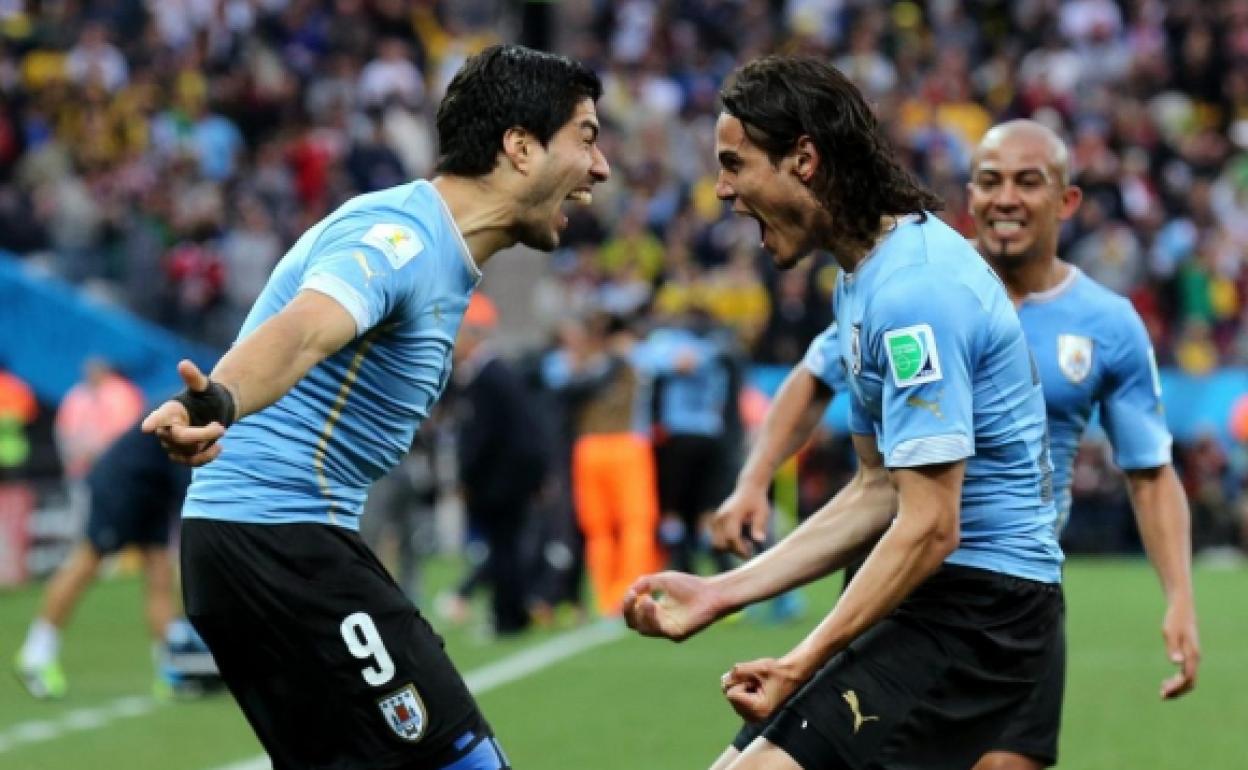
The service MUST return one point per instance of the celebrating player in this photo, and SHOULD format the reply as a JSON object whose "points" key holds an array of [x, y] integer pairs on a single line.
{"points": [[338, 362], [1092, 350], [956, 612]]}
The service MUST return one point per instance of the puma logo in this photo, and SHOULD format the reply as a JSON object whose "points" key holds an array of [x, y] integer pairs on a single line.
{"points": [[851, 698], [363, 263], [923, 403]]}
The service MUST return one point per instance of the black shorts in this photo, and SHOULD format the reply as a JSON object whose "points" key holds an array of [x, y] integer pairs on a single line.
{"points": [[135, 494], [332, 665], [693, 475], [1034, 728], [933, 685], [127, 513]]}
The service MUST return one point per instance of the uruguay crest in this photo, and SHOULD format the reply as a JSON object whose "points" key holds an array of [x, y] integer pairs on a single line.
{"points": [[1074, 356], [405, 713]]}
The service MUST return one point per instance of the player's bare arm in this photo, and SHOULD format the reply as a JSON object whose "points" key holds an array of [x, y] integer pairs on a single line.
{"points": [[1162, 515], [255, 373], [790, 421], [922, 535], [676, 606]]}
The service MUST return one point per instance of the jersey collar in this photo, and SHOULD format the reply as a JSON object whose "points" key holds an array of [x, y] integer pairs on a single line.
{"points": [[1050, 294], [464, 252]]}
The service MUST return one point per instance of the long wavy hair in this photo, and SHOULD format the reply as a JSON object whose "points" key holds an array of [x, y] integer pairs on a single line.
{"points": [[779, 99]]}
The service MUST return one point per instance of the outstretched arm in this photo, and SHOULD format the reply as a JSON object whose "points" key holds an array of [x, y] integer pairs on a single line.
{"points": [[676, 606], [256, 372], [790, 421], [1165, 528]]}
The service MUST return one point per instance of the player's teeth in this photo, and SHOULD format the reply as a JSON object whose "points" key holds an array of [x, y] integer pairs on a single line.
{"points": [[1006, 228], [584, 197]]}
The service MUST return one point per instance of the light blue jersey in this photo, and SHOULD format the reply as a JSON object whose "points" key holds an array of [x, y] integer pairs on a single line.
{"points": [[939, 371], [823, 359], [689, 403], [1093, 351], [397, 262]]}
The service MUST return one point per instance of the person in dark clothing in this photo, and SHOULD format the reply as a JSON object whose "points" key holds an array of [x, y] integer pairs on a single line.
{"points": [[502, 459]]}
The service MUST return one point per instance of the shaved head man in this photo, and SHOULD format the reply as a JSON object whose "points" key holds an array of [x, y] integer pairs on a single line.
{"points": [[1091, 350]]}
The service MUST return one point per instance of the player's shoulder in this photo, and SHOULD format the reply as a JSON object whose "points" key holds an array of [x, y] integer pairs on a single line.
{"points": [[931, 265], [1105, 308], [400, 222]]}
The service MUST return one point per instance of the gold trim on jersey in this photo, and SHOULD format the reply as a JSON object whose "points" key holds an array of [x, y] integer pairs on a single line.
{"points": [[335, 414]]}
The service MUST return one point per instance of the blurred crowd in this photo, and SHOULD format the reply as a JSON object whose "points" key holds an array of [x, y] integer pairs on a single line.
{"points": [[163, 153]]}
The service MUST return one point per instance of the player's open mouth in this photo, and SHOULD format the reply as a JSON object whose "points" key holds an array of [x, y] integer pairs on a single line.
{"points": [[582, 196], [1006, 228]]}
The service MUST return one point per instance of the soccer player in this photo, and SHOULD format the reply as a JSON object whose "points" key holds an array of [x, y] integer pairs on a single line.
{"points": [[1092, 351], [339, 361], [1020, 188], [956, 612], [134, 493]]}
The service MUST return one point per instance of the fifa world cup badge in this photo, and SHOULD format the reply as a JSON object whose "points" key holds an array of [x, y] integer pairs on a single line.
{"points": [[405, 713]]}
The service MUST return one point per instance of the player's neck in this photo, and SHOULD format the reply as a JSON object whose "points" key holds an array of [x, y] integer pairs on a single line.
{"points": [[1032, 277], [483, 218], [851, 257]]}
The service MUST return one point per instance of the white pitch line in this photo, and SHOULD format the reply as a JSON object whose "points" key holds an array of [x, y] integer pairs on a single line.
{"points": [[509, 669], [479, 681], [40, 730]]}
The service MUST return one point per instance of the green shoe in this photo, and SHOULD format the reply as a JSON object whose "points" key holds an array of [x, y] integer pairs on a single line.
{"points": [[43, 682], [162, 689]]}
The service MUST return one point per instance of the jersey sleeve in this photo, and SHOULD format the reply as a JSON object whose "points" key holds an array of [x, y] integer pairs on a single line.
{"points": [[922, 343], [1131, 406], [823, 359], [369, 269]]}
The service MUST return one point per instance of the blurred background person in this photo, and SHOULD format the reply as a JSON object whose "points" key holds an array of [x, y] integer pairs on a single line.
{"points": [[614, 487], [134, 495], [695, 382], [398, 520], [503, 460], [91, 416]]}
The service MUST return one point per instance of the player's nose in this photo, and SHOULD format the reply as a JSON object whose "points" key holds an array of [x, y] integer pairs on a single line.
{"points": [[600, 169]]}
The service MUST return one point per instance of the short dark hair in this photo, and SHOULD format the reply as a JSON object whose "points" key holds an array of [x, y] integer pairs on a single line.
{"points": [[503, 87], [779, 99]]}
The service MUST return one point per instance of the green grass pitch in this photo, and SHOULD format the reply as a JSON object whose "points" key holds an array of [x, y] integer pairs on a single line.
{"points": [[640, 703]]}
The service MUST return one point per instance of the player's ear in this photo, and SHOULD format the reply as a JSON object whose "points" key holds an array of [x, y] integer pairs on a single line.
{"points": [[518, 146], [806, 159], [1072, 196]]}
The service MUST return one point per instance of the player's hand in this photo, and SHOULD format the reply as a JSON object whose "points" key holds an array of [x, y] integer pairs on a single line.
{"points": [[673, 605], [741, 518], [1178, 628], [170, 422], [758, 689]]}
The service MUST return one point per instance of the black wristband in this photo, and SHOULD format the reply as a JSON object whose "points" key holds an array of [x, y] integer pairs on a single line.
{"points": [[213, 404]]}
